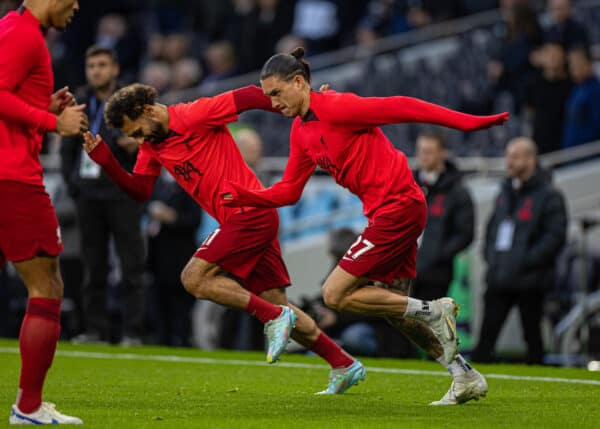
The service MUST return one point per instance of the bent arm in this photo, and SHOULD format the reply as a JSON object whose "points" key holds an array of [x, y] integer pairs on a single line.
{"points": [[375, 111], [137, 186], [251, 97], [284, 193], [15, 110]]}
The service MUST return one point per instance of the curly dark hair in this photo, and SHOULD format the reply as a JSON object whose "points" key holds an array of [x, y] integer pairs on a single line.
{"points": [[129, 101]]}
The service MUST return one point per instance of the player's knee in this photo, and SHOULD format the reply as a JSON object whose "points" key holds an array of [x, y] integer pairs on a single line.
{"points": [[195, 283], [332, 299]]}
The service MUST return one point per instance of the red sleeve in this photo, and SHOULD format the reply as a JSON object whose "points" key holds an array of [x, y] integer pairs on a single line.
{"points": [[349, 108], [146, 163], [251, 97], [138, 186], [207, 111], [223, 108], [286, 192], [16, 62]]}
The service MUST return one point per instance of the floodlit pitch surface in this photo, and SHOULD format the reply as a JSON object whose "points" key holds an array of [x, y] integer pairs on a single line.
{"points": [[153, 387]]}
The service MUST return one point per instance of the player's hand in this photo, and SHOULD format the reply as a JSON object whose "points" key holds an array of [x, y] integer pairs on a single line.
{"points": [[324, 87], [89, 142], [72, 121], [60, 100]]}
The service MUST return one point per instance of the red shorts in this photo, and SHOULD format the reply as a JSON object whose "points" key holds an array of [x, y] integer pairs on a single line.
{"points": [[28, 224], [247, 247], [387, 248]]}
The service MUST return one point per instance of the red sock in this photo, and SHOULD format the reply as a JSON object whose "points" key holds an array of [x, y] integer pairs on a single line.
{"points": [[331, 352], [37, 341], [261, 309]]}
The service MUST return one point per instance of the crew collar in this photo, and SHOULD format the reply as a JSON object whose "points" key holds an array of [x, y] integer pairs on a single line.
{"points": [[30, 18]]}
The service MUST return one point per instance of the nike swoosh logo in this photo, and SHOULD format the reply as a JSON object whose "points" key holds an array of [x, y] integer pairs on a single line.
{"points": [[450, 331]]}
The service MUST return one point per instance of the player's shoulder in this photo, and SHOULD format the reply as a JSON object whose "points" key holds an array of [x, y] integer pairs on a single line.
{"points": [[14, 28], [327, 99]]}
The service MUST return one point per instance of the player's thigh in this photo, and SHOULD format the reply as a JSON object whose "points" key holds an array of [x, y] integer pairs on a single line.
{"points": [[339, 284], [41, 276], [198, 270]]}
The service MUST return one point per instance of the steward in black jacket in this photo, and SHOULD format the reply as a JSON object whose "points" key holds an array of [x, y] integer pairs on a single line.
{"points": [[525, 234], [449, 230], [537, 211]]}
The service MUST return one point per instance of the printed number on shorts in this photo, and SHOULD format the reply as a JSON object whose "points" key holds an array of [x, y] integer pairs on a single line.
{"points": [[359, 247], [210, 238]]}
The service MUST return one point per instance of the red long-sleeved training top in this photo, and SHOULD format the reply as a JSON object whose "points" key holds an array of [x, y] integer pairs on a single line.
{"points": [[26, 84], [341, 134], [200, 152]]}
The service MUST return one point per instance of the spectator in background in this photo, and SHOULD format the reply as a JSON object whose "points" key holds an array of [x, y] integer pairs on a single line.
{"points": [[289, 42], [157, 74], [582, 124], [221, 62], [251, 147], [510, 68], [524, 237], [175, 47], [424, 12], [318, 22], [187, 73], [255, 28], [115, 33], [383, 18], [173, 219], [562, 28], [450, 216], [104, 211], [546, 99]]}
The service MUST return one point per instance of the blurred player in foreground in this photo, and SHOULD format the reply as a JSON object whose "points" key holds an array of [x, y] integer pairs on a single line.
{"points": [[29, 232]]}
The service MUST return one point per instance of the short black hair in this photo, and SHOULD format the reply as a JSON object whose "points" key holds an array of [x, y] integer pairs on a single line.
{"points": [[128, 101], [96, 50], [286, 66]]}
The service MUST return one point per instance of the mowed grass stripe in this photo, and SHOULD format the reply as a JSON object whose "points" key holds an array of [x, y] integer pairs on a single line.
{"points": [[240, 362]]}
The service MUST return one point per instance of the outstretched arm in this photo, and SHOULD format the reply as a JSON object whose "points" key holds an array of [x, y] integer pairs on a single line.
{"points": [[347, 108], [223, 108], [286, 192], [138, 186]]}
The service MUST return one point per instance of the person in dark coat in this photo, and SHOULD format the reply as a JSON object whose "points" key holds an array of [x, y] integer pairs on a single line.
{"points": [[524, 236], [104, 211], [450, 216], [174, 218]]}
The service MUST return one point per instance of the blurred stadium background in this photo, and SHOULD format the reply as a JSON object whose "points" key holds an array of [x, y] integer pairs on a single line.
{"points": [[442, 51]]}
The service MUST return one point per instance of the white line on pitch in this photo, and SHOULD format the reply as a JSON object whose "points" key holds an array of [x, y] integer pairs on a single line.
{"points": [[239, 362]]}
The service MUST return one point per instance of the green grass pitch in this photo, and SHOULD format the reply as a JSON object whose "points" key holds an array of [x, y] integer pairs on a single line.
{"points": [[153, 387]]}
